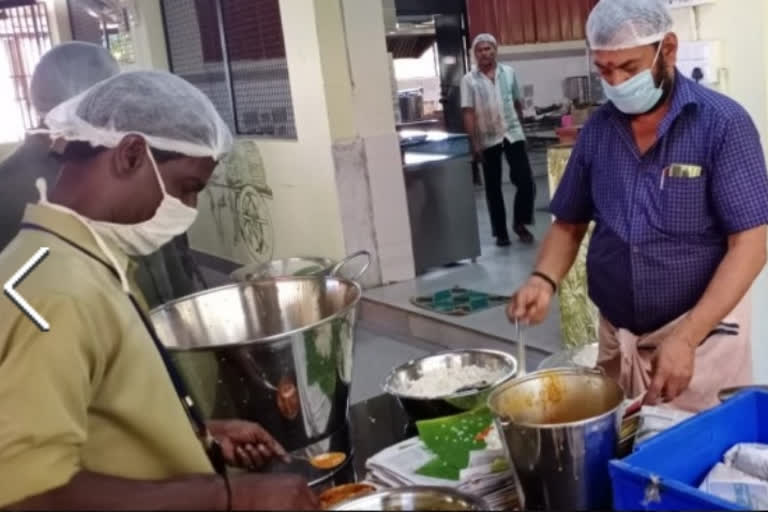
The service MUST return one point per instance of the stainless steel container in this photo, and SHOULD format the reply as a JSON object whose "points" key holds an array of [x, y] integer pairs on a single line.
{"points": [[421, 408], [302, 267], [415, 499], [278, 352], [560, 429], [576, 89], [411, 105]]}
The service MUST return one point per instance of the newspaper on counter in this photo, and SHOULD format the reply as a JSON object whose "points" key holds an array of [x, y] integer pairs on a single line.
{"points": [[654, 420], [397, 466], [750, 458], [732, 485]]}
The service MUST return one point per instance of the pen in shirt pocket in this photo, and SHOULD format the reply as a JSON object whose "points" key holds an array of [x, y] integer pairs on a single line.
{"points": [[664, 173]]}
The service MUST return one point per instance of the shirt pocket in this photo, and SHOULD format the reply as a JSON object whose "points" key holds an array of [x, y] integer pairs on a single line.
{"points": [[685, 205]]}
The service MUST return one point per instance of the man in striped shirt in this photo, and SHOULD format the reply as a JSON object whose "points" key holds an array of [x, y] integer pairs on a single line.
{"points": [[492, 107]]}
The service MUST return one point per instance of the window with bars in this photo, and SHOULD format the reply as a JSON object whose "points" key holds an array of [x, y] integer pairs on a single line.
{"points": [[108, 26], [234, 51], [24, 38]]}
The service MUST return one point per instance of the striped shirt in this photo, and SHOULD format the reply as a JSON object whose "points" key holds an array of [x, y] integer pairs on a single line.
{"points": [[494, 104]]}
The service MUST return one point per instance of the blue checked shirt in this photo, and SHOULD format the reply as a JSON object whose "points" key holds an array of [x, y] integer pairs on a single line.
{"points": [[660, 234]]}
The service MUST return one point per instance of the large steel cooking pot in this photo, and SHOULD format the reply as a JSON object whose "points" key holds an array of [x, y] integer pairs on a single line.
{"points": [[304, 266], [560, 429], [277, 351]]}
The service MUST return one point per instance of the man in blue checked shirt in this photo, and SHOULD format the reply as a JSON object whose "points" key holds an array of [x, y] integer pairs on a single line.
{"points": [[674, 177]]}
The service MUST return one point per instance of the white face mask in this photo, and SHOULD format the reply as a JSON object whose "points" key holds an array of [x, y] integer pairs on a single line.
{"points": [[172, 218], [637, 95]]}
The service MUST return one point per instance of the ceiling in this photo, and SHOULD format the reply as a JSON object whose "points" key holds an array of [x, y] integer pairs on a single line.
{"points": [[413, 36]]}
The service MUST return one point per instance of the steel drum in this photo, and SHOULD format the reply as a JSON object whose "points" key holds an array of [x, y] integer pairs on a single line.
{"points": [[277, 351], [560, 429]]}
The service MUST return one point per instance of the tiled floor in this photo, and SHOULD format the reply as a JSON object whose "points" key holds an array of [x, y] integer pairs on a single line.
{"points": [[498, 271], [375, 356]]}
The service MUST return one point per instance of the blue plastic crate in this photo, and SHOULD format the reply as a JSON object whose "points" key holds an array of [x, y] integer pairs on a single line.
{"points": [[665, 472]]}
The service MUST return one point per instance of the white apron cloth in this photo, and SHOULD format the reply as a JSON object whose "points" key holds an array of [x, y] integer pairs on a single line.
{"points": [[723, 360]]}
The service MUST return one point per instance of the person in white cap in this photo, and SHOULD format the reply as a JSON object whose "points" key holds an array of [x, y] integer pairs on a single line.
{"points": [[95, 415], [674, 177], [493, 113], [63, 72]]}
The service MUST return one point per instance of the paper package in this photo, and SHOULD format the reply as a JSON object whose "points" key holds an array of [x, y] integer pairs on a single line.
{"points": [[750, 458], [736, 486], [654, 420]]}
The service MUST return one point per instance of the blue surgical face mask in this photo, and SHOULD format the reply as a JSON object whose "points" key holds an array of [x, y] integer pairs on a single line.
{"points": [[637, 95]]}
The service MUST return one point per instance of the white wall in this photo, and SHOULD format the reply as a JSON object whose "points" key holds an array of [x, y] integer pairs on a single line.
{"points": [[546, 74], [420, 73], [371, 78], [149, 37]]}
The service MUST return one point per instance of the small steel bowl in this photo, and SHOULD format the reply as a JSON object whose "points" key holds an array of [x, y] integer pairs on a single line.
{"points": [[420, 408], [415, 499]]}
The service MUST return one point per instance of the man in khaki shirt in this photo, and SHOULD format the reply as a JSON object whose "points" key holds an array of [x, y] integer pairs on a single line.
{"points": [[90, 418]]}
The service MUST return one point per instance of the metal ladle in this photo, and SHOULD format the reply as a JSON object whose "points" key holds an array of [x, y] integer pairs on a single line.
{"points": [[521, 366], [324, 461], [477, 386]]}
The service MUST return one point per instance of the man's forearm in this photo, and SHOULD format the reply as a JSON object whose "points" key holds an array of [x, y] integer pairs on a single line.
{"points": [[91, 491], [519, 110], [742, 264], [470, 125], [559, 249]]}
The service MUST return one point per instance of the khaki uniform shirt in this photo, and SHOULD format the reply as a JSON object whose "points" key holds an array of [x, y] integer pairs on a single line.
{"points": [[92, 393]]}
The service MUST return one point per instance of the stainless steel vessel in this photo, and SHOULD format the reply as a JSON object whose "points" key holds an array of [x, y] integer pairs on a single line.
{"points": [[278, 352], [411, 102], [576, 89], [421, 408], [415, 498], [301, 267], [560, 429]]}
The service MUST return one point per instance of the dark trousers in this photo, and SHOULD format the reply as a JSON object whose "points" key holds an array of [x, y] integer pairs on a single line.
{"points": [[521, 176], [476, 172]]}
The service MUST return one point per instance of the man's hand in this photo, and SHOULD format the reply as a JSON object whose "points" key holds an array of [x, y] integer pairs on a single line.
{"points": [[477, 155], [272, 492], [245, 444], [672, 367], [530, 304]]}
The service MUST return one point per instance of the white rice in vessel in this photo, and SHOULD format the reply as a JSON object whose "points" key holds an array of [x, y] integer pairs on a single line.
{"points": [[448, 380]]}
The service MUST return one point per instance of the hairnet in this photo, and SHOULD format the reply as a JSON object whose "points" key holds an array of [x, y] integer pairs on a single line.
{"points": [[169, 112], [67, 70], [484, 38], [621, 24]]}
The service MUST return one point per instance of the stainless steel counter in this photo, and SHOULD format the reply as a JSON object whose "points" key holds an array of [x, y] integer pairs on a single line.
{"points": [[441, 201]]}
